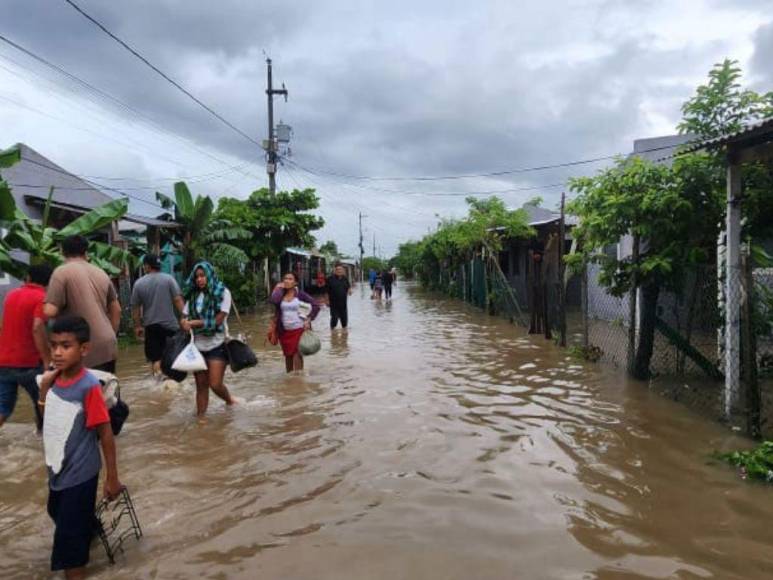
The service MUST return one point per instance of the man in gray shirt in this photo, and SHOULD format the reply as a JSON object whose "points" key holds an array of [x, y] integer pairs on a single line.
{"points": [[154, 299]]}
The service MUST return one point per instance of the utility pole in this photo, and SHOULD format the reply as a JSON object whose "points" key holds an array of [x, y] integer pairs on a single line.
{"points": [[272, 145], [362, 251], [271, 148], [374, 244]]}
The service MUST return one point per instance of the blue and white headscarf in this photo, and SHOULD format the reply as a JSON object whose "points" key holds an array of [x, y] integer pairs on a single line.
{"points": [[210, 305]]}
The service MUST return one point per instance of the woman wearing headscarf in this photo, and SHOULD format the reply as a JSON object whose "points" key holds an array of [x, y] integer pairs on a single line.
{"points": [[207, 303], [294, 312]]}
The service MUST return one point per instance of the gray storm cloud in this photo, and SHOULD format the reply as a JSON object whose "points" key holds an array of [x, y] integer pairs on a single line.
{"points": [[387, 89]]}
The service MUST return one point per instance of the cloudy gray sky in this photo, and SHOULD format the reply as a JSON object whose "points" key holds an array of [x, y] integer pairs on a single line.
{"points": [[385, 89]]}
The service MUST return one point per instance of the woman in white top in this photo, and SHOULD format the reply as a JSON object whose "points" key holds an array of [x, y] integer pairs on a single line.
{"points": [[294, 312], [207, 303]]}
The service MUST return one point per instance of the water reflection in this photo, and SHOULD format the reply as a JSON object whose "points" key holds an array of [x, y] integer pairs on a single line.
{"points": [[428, 441]]}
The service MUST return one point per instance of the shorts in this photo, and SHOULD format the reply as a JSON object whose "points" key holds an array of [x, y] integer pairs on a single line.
{"points": [[10, 380], [155, 341], [72, 510], [217, 353]]}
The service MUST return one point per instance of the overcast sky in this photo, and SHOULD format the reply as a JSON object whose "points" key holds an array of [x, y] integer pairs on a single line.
{"points": [[383, 89]]}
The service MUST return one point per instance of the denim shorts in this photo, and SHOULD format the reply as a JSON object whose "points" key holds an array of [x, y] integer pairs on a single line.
{"points": [[217, 353], [11, 378]]}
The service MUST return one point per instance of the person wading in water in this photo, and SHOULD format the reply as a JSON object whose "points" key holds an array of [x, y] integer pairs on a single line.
{"points": [[338, 290], [290, 320], [208, 302]]}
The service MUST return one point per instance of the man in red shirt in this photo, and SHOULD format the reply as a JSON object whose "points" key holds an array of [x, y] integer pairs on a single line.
{"points": [[24, 350]]}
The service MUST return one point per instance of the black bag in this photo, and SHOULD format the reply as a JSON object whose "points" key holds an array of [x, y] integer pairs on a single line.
{"points": [[240, 355], [174, 346], [118, 413]]}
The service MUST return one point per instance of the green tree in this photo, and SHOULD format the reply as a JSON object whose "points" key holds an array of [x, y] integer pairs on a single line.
{"points": [[634, 197], [373, 263], [202, 233], [330, 248], [274, 222], [722, 106], [675, 212], [487, 223], [408, 258]]}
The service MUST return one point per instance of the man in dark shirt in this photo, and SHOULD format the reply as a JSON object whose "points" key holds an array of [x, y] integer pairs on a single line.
{"points": [[387, 280], [338, 290]]}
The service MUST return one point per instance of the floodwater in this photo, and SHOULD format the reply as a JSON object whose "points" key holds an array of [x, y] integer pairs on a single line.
{"points": [[432, 442]]}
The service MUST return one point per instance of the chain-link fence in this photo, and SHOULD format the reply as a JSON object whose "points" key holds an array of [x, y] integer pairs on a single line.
{"points": [[604, 319]]}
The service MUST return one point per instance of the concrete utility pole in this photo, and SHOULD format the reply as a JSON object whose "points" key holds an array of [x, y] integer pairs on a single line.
{"points": [[272, 145], [271, 149], [362, 250]]}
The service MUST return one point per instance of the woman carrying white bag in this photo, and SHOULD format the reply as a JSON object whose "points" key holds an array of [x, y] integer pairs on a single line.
{"points": [[207, 303]]}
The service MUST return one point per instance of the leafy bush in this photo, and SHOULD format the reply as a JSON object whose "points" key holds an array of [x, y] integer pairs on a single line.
{"points": [[755, 464]]}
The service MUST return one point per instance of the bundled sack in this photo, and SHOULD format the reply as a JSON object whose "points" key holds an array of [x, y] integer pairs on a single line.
{"points": [[116, 406], [174, 346], [190, 359], [309, 343]]}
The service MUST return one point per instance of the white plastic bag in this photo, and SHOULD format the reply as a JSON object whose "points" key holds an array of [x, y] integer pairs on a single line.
{"points": [[190, 359]]}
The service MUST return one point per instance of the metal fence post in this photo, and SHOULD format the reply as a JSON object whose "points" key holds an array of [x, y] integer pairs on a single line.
{"points": [[749, 350], [584, 306]]}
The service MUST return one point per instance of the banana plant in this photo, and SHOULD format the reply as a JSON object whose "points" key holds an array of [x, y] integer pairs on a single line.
{"points": [[41, 241], [202, 235]]}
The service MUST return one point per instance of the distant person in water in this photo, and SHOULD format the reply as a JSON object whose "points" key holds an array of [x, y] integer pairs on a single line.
{"points": [[378, 286], [372, 279], [294, 312], [388, 280], [207, 305], [338, 291]]}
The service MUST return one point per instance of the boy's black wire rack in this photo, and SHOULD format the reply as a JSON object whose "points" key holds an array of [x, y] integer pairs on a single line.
{"points": [[117, 521]]}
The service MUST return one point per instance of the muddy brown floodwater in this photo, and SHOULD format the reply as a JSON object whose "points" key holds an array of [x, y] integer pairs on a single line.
{"points": [[431, 442]]}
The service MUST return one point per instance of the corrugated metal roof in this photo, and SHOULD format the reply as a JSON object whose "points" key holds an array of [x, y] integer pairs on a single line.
{"points": [[763, 127], [298, 252], [137, 219], [34, 175]]}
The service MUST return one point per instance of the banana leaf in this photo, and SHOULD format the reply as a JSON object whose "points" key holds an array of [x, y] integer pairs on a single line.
{"points": [[10, 265], [165, 201], [96, 219], [113, 255], [7, 203], [9, 156], [184, 201], [202, 214]]}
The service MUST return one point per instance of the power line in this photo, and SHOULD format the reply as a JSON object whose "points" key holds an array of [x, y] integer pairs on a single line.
{"points": [[318, 171], [105, 96], [436, 193], [166, 77]]}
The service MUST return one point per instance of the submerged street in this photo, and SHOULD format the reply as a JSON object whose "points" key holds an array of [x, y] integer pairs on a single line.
{"points": [[431, 441]]}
